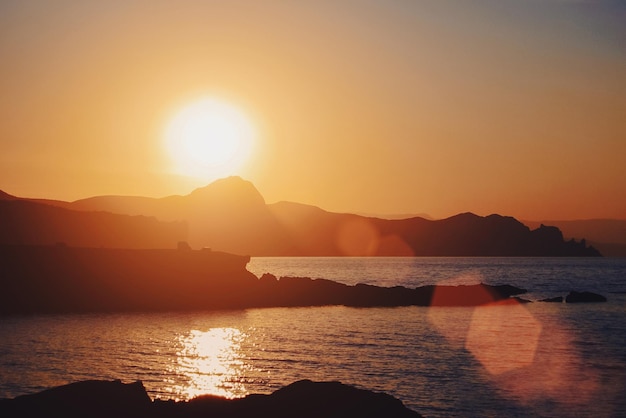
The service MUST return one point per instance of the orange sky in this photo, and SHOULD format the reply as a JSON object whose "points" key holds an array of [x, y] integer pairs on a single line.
{"points": [[382, 107]]}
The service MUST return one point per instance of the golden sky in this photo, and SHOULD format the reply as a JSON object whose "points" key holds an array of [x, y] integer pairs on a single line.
{"points": [[515, 107]]}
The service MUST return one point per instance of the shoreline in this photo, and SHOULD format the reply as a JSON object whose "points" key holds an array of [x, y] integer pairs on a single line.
{"points": [[61, 279]]}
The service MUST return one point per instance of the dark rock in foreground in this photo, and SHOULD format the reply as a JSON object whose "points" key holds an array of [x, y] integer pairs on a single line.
{"points": [[115, 399], [584, 297], [88, 398]]}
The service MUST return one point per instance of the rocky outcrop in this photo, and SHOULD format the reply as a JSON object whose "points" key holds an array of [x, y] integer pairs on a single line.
{"points": [[576, 297], [304, 291], [607, 235], [305, 399], [584, 297], [81, 399]]}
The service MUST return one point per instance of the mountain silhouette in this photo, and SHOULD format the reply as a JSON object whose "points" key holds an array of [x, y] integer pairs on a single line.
{"points": [[231, 215]]}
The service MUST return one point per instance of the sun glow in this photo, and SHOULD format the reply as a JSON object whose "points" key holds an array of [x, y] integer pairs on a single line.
{"points": [[213, 363], [209, 139]]}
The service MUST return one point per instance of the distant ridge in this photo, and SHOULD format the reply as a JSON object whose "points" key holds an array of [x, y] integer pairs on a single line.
{"points": [[25, 222], [231, 215], [391, 216]]}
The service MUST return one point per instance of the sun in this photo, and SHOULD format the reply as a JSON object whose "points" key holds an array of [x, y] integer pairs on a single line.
{"points": [[209, 139]]}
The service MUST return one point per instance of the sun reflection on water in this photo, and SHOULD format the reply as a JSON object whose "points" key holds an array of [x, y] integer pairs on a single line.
{"points": [[212, 362]]}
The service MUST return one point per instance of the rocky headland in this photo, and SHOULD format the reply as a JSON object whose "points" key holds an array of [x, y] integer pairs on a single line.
{"points": [[61, 279]]}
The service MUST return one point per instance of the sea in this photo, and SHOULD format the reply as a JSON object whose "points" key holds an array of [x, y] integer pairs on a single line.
{"points": [[525, 360]]}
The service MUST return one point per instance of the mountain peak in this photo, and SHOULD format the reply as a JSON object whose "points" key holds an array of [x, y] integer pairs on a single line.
{"points": [[232, 188], [6, 196]]}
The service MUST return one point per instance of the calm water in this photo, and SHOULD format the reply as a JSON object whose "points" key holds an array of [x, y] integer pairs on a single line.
{"points": [[525, 360]]}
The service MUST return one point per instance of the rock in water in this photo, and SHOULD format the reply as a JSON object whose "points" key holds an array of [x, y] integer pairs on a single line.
{"points": [[556, 299], [584, 297]]}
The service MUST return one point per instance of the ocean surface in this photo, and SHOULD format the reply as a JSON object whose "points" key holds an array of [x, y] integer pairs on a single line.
{"points": [[537, 359]]}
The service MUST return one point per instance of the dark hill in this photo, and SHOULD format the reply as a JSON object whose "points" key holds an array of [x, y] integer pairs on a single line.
{"points": [[316, 232], [25, 222], [471, 235], [611, 231]]}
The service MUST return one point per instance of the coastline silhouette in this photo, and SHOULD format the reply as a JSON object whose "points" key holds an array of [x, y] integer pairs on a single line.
{"points": [[231, 215], [63, 279]]}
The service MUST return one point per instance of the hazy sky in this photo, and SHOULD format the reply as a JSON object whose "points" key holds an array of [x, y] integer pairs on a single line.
{"points": [[515, 107]]}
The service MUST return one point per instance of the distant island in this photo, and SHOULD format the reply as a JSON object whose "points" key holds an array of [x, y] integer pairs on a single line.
{"points": [[62, 279], [231, 215]]}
